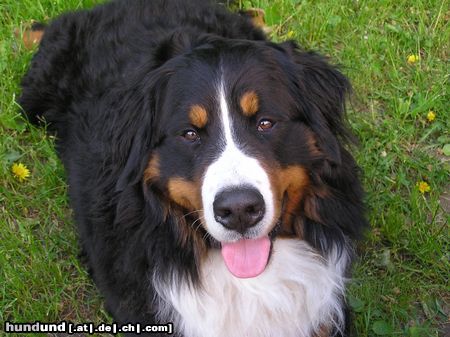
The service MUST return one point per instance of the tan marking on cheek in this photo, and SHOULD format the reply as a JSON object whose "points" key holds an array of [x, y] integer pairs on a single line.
{"points": [[152, 172], [198, 116], [290, 185], [185, 193], [293, 180], [249, 103]]}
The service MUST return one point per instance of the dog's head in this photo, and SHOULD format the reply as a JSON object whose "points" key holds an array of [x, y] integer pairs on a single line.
{"points": [[244, 145]]}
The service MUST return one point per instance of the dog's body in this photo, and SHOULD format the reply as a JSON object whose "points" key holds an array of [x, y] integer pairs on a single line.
{"points": [[185, 134]]}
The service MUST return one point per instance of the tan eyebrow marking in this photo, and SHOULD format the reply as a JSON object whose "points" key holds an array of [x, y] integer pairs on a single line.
{"points": [[249, 103], [198, 116]]}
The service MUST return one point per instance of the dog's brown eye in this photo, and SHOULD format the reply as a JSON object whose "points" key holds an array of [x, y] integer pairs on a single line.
{"points": [[265, 124], [191, 135]]}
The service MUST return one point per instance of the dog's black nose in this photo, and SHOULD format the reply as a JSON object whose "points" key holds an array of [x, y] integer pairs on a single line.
{"points": [[239, 208]]}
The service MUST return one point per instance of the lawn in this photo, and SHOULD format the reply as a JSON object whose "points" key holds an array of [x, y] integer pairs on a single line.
{"points": [[396, 54]]}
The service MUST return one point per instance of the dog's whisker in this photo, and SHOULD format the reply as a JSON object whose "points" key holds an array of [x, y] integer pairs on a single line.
{"points": [[195, 222], [190, 213], [206, 236], [199, 221]]}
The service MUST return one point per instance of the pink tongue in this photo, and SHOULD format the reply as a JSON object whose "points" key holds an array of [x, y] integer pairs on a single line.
{"points": [[246, 258]]}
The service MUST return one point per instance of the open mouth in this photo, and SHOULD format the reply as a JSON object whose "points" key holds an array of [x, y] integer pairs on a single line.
{"points": [[247, 258], [248, 255]]}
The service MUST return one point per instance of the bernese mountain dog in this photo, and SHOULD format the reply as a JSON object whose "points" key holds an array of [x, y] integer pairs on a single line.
{"points": [[206, 165]]}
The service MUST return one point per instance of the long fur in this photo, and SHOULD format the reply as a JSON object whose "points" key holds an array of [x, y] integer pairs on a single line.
{"points": [[110, 82], [309, 298]]}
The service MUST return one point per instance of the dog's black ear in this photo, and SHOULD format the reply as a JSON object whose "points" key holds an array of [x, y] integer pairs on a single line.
{"points": [[135, 131], [321, 91], [136, 160], [141, 100]]}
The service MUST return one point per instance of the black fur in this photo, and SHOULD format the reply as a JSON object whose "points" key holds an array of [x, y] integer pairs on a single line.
{"points": [[109, 82]]}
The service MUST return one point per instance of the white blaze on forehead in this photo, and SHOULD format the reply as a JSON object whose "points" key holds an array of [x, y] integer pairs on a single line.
{"points": [[233, 168], [226, 118]]}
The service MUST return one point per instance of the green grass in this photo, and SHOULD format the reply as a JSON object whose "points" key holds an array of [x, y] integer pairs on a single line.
{"points": [[400, 285]]}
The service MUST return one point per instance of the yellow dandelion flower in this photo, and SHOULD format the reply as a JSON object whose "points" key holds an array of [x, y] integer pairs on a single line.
{"points": [[423, 187], [412, 59], [431, 116], [290, 34], [20, 171]]}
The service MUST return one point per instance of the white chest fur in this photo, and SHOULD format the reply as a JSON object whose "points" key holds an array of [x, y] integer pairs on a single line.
{"points": [[297, 294]]}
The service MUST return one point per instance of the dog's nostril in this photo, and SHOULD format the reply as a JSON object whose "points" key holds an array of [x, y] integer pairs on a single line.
{"points": [[222, 212], [239, 208]]}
